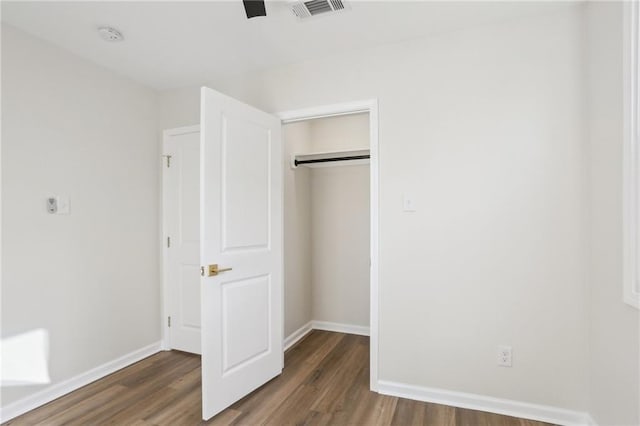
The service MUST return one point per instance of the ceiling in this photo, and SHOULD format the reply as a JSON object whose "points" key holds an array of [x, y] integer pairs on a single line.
{"points": [[177, 44]]}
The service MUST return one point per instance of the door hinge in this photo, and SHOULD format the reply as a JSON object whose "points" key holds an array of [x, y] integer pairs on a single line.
{"points": [[168, 242], [168, 321], [168, 157]]}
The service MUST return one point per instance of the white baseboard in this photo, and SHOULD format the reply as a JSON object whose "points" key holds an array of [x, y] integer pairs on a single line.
{"points": [[340, 328], [507, 407], [59, 389], [297, 335]]}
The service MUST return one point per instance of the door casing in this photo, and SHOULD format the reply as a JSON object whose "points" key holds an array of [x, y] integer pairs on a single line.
{"points": [[369, 106]]}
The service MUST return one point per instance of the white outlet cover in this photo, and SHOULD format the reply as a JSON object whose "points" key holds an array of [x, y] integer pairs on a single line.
{"points": [[504, 356]]}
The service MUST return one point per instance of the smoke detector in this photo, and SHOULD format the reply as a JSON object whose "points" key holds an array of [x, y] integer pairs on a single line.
{"points": [[311, 8], [110, 34]]}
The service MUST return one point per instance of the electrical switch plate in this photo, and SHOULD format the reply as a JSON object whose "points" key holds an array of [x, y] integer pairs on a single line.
{"points": [[58, 204], [408, 203]]}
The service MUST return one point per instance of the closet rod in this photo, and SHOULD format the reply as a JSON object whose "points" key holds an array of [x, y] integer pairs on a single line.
{"points": [[326, 160]]}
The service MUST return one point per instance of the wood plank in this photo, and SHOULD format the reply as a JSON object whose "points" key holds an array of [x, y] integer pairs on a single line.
{"points": [[187, 410], [227, 417], [300, 363], [87, 405], [438, 414], [410, 413], [339, 361], [150, 382]]}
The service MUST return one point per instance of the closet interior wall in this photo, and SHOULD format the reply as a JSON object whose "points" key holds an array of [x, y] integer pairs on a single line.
{"points": [[326, 230]]}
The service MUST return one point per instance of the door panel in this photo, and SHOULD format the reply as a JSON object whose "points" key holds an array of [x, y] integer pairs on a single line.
{"points": [[189, 169], [245, 184], [181, 210], [245, 307], [241, 228]]}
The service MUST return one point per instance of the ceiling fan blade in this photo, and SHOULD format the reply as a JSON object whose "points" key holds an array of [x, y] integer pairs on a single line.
{"points": [[254, 8]]}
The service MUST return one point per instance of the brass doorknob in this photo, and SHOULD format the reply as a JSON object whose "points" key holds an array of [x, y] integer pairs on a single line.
{"points": [[214, 270]]}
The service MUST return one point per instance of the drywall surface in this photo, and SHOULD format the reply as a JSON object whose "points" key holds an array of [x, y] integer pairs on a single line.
{"points": [[485, 129], [615, 355], [297, 230], [340, 224], [89, 278]]}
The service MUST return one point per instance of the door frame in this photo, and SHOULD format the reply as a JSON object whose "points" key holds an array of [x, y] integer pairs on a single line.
{"points": [[369, 106], [165, 333]]}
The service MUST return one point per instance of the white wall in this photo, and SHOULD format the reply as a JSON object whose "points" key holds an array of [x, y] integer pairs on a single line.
{"points": [[615, 354], [297, 230], [91, 279], [484, 127], [340, 224]]}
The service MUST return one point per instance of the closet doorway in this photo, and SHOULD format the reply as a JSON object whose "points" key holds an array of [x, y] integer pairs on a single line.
{"points": [[337, 246], [326, 225], [331, 222]]}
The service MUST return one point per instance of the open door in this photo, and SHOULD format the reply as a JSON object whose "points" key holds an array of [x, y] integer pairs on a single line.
{"points": [[241, 249]]}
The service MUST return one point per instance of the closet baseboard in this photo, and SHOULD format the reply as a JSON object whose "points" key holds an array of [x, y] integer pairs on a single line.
{"points": [[300, 333], [297, 335], [340, 328]]}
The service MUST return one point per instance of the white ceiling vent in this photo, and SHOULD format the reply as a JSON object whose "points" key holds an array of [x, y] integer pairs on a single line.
{"points": [[308, 9]]}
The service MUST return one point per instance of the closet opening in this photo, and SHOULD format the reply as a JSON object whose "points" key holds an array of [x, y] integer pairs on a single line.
{"points": [[330, 225]]}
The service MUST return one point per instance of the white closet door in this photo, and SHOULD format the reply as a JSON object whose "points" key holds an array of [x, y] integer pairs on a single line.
{"points": [[181, 187]]}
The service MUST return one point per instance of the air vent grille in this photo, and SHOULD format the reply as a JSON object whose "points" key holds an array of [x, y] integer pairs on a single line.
{"points": [[337, 5], [317, 6], [311, 8]]}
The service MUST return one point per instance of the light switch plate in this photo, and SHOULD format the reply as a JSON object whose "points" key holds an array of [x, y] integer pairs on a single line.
{"points": [[408, 203], [58, 204]]}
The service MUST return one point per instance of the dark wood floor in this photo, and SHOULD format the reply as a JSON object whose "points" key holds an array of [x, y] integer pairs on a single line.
{"points": [[325, 382]]}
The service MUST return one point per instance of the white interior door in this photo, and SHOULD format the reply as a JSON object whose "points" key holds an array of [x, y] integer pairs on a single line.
{"points": [[181, 213], [241, 229]]}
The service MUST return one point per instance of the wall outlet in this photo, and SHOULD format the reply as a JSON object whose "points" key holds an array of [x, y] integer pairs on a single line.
{"points": [[504, 356]]}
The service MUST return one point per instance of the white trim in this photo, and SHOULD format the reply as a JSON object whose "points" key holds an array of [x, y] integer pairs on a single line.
{"points": [[631, 166], [506, 407], [302, 332], [181, 131], [360, 330], [166, 308], [297, 335], [374, 242], [366, 106], [333, 110], [62, 388]]}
